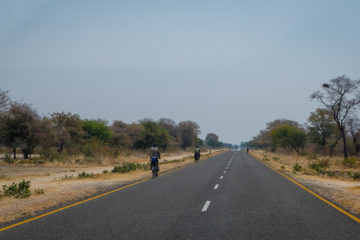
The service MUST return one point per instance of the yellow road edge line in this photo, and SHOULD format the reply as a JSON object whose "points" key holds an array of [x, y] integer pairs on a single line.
{"points": [[92, 198], [313, 193]]}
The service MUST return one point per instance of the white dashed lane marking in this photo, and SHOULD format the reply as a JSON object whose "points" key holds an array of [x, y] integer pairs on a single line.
{"points": [[216, 186], [206, 206]]}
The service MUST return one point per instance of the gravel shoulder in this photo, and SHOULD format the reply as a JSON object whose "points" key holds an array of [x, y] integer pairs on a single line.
{"points": [[342, 191]]}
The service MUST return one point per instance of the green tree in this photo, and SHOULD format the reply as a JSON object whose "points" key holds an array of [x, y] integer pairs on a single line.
{"points": [[188, 131], [153, 133], [212, 140], [21, 126], [97, 129], [289, 136], [68, 128]]}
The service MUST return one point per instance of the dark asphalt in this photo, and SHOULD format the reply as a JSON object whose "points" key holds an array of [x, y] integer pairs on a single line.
{"points": [[251, 202]]}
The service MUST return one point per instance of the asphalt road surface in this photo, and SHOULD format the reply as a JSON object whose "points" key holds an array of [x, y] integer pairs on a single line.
{"points": [[229, 196]]}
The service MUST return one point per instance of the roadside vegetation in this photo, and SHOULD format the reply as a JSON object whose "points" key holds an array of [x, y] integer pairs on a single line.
{"points": [[19, 190], [66, 138], [330, 132]]}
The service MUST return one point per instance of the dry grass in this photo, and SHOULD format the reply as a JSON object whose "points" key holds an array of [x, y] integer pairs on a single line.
{"points": [[339, 188]]}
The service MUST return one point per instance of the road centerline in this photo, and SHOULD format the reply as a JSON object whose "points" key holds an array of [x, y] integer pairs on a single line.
{"points": [[206, 206]]}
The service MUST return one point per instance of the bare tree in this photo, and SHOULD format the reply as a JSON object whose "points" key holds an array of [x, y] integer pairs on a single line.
{"points": [[340, 96]]}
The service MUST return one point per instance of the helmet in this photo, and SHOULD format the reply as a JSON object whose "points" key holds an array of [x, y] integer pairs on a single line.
{"points": [[154, 145]]}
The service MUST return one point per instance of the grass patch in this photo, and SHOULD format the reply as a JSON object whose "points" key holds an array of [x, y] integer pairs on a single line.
{"points": [[130, 166], [173, 161], [350, 162]]}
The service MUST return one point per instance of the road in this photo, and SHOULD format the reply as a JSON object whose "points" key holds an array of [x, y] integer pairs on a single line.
{"points": [[229, 196]]}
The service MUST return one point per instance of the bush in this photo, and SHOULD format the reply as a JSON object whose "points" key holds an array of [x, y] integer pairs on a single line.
{"points": [[356, 175], [39, 191], [276, 158], [105, 171], [350, 162], [320, 166], [8, 159], [297, 167], [20, 190], [86, 175], [282, 167]]}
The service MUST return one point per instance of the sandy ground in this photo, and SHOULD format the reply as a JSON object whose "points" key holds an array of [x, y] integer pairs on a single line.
{"points": [[342, 191], [50, 178]]}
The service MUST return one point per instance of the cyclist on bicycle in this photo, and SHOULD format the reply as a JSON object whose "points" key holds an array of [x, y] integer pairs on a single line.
{"points": [[154, 158], [197, 153]]}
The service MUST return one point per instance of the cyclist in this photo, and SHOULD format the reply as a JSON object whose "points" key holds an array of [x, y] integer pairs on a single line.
{"points": [[197, 153], [154, 159]]}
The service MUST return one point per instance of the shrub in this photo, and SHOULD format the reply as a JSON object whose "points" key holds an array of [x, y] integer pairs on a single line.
{"points": [[105, 171], [297, 167], [320, 166], [86, 175], [282, 167], [67, 177], [350, 162], [20, 190], [39, 191], [331, 174], [276, 158], [10, 190], [356, 175], [266, 158], [8, 159]]}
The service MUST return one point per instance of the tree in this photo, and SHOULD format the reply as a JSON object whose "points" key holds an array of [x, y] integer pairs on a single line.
{"points": [[323, 130], [68, 128], [340, 96], [171, 126], [153, 134], [4, 100], [189, 132], [126, 135], [21, 128], [289, 136], [96, 129], [321, 126], [212, 140], [353, 126]]}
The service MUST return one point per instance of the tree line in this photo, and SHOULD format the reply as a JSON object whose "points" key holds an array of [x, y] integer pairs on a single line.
{"points": [[23, 130], [336, 122]]}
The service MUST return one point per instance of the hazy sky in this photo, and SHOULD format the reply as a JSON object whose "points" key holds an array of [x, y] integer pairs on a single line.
{"points": [[231, 66]]}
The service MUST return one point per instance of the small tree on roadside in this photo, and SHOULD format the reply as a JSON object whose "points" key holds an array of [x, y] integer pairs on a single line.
{"points": [[353, 127], [20, 128], [340, 96], [188, 131], [212, 140], [68, 128], [288, 136]]}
